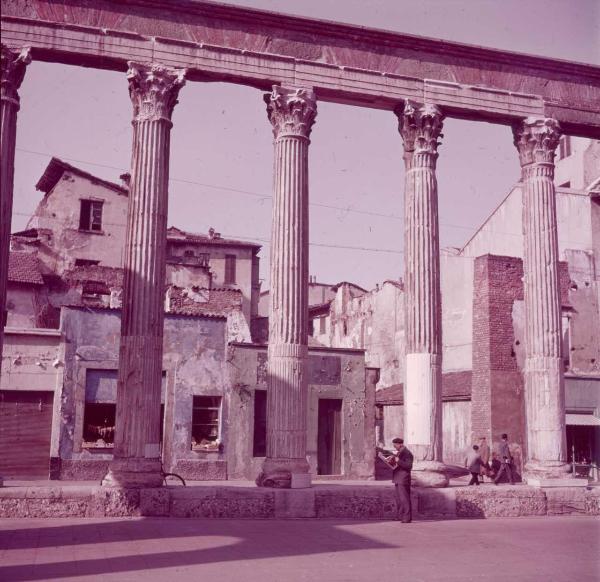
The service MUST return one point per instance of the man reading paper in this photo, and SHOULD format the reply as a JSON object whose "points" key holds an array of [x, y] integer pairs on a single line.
{"points": [[401, 463]]}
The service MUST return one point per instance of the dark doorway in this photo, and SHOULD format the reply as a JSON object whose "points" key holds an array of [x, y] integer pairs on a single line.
{"points": [[329, 437]]}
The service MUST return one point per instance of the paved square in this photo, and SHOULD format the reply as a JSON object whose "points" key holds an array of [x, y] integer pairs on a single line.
{"points": [[557, 549]]}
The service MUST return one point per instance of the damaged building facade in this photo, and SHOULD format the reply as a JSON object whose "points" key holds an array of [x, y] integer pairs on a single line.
{"points": [[61, 351]]}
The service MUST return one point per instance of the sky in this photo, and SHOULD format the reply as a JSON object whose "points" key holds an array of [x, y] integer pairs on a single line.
{"points": [[222, 153]]}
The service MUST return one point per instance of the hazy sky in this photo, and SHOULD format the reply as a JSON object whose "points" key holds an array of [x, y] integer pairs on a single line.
{"points": [[221, 154]]}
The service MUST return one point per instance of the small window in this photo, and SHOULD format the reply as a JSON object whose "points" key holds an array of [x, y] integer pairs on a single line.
{"points": [[99, 424], [564, 148], [229, 269], [206, 413], [259, 445], [90, 215], [85, 263], [189, 253]]}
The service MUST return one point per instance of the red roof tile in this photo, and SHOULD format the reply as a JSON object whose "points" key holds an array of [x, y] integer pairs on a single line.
{"points": [[176, 235], [24, 268], [455, 386]]}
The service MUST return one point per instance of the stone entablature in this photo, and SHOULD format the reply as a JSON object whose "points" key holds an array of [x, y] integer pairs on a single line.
{"points": [[344, 63]]}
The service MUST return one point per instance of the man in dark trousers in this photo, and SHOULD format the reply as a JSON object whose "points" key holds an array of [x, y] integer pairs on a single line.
{"points": [[402, 462], [505, 461], [473, 463]]}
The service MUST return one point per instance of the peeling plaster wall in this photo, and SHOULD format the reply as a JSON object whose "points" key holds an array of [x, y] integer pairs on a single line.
{"points": [[59, 211], [247, 373], [22, 305], [373, 322], [194, 362]]}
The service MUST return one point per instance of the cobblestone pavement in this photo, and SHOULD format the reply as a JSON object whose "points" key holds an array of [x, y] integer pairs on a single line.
{"points": [[551, 549]]}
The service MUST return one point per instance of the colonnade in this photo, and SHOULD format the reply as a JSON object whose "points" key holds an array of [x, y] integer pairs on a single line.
{"points": [[292, 112]]}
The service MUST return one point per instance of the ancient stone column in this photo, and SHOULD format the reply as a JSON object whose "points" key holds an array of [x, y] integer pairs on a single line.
{"points": [[536, 140], [153, 90], [420, 127], [13, 72], [292, 113]]}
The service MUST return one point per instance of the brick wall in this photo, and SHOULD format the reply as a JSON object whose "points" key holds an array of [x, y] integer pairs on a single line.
{"points": [[497, 403]]}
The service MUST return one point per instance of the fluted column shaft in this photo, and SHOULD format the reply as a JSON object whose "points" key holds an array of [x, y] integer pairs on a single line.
{"points": [[536, 140], [420, 127], [14, 64], [292, 113], [153, 91]]}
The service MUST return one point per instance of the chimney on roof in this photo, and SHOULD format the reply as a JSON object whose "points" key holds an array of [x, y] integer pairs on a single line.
{"points": [[212, 233], [125, 180]]}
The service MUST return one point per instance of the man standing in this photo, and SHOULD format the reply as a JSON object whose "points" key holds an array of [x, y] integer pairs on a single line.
{"points": [[473, 463], [401, 463], [505, 460], [484, 453]]}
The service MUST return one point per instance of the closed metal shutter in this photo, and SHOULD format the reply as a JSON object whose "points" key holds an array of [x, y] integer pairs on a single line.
{"points": [[25, 430]]}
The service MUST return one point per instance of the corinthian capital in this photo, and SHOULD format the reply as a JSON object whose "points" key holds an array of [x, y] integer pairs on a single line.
{"points": [[153, 90], [291, 111], [420, 127], [536, 139], [13, 71]]}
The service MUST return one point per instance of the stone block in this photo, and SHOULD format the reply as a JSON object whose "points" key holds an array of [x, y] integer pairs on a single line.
{"points": [[548, 483], [592, 501], [301, 480], [155, 502], [294, 503], [83, 469], [117, 502], [435, 503], [488, 502], [356, 503], [565, 500], [201, 470]]}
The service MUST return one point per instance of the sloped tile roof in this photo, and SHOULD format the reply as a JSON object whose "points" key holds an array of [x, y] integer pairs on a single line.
{"points": [[24, 268], [176, 235]]}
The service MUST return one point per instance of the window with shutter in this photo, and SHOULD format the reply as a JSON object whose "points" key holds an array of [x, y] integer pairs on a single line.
{"points": [[230, 269]]}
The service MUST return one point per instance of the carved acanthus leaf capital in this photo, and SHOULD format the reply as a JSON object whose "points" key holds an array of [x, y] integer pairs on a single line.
{"points": [[420, 127], [14, 63], [153, 90], [291, 111], [536, 139]]}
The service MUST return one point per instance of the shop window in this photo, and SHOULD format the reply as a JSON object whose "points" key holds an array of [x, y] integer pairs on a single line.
{"points": [[230, 268], [99, 424], [90, 215], [206, 417], [259, 445]]}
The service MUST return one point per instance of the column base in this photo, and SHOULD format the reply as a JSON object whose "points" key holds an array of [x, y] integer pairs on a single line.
{"points": [[284, 474], [134, 473], [538, 471], [429, 474]]}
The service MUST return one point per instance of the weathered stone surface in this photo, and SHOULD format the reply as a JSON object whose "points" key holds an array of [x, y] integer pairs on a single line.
{"points": [[358, 503], [435, 503], [499, 502], [117, 502], [201, 470], [592, 502], [294, 503], [226, 502], [565, 501], [82, 470], [155, 502]]}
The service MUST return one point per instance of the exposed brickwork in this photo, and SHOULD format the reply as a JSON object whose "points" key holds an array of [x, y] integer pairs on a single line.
{"points": [[497, 403]]}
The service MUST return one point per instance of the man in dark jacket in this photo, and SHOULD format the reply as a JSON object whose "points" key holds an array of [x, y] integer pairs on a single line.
{"points": [[473, 463], [401, 463], [505, 461]]}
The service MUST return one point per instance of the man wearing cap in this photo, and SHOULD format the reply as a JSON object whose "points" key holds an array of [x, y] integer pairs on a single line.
{"points": [[401, 462]]}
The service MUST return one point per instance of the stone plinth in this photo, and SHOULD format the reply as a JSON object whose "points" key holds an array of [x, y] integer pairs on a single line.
{"points": [[322, 501], [420, 127], [153, 90], [292, 113]]}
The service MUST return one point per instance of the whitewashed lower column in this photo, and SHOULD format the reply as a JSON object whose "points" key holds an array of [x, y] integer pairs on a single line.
{"points": [[14, 64], [536, 140], [292, 113], [153, 90], [420, 127]]}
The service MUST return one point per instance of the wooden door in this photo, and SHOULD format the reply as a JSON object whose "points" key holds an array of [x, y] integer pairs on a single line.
{"points": [[329, 437], [25, 430]]}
